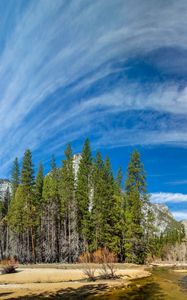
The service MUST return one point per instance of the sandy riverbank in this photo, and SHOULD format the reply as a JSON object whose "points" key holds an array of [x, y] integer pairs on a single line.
{"points": [[71, 283]]}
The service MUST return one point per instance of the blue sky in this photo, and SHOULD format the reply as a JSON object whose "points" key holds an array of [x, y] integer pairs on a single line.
{"points": [[113, 71]]}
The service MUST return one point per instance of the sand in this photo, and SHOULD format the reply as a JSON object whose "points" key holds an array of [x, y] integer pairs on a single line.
{"points": [[33, 283]]}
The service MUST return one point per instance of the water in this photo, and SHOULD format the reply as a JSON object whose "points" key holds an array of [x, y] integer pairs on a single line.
{"points": [[164, 284]]}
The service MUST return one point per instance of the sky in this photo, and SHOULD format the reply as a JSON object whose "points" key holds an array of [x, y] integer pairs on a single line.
{"points": [[114, 71]]}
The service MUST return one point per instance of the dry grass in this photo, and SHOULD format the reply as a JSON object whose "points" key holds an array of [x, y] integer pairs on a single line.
{"points": [[41, 281]]}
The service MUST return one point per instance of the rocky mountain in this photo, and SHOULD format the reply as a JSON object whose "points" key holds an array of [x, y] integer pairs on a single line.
{"points": [[163, 217], [184, 222], [5, 186]]}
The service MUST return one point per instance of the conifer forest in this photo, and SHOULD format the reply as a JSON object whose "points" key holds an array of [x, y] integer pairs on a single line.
{"points": [[80, 207]]}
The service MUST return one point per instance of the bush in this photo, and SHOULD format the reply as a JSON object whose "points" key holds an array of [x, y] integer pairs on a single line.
{"points": [[104, 258], [86, 259], [9, 266], [107, 260]]}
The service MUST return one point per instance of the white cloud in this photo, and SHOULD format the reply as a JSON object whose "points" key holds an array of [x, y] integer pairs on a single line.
{"points": [[168, 198], [53, 44], [180, 215]]}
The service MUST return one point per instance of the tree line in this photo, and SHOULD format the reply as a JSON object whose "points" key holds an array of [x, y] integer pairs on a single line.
{"points": [[59, 216]]}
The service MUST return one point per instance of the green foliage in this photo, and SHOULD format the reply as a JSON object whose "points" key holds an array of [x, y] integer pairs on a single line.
{"points": [[50, 191], [107, 208], [22, 211], [16, 215], [84, 193], [172, 235], [135, 199], [23, 214], [15, 177], [65, 213], [27, 172], [39, 185], [67, 182]]}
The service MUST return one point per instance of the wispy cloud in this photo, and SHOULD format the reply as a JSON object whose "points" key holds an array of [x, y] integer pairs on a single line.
{"points": [[178, 182], [168, 198], [180, 215], [60, 80]]}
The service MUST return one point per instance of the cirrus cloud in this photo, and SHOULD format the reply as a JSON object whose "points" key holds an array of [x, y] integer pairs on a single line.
{"points": [[66, 71]]}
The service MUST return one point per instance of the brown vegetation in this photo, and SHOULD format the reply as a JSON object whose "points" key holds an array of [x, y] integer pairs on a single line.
{"points": [[8, 266], [104, 259]]}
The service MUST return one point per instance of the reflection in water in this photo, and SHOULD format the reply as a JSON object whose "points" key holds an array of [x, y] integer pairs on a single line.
{"points": [[150, 291], [183, 283], [162, 285]]}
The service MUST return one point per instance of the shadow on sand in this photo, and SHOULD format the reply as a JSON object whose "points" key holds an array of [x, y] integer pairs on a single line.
{"points": [[148, 291], [4, 294], [69, 293]]}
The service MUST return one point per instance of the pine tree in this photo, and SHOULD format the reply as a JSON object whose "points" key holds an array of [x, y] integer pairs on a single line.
{"points": [[135, 199], [20, 206], [120, 208], [27, 172], [16, 213], [112, 211], [69, 206], [39, 185], [51, 216], [97, 239], [106, 211], [38, 203], [84, 194], [15, 177], [24, 205]]}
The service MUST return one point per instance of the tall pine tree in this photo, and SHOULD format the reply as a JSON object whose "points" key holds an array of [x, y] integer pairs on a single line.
{"points": [[69, 207], [106, 212], [15, 177], [39, 185], [51, 217], [84, 195], [22, 212], [135, 199]]}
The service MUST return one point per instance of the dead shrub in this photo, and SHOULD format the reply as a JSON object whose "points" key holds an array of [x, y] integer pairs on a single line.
{"points": [[88, 268], [8, 266], [107, 260]]}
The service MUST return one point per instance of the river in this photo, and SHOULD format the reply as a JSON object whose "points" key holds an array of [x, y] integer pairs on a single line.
{"points": [[164, 284]]}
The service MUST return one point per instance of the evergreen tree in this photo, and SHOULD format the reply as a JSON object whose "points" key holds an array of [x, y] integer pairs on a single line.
{"points": [[112, 211], [120, 208], [69, 206], [97, 239], [118, 181], [106, 211], [135, 199], [39, 184], [38, 203], [15, 177], [57, 217], [22, 213], [16, 214], [51, 216], [24, 193], [84, 194], [51, 183], [53, 163], [27, 172]]}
